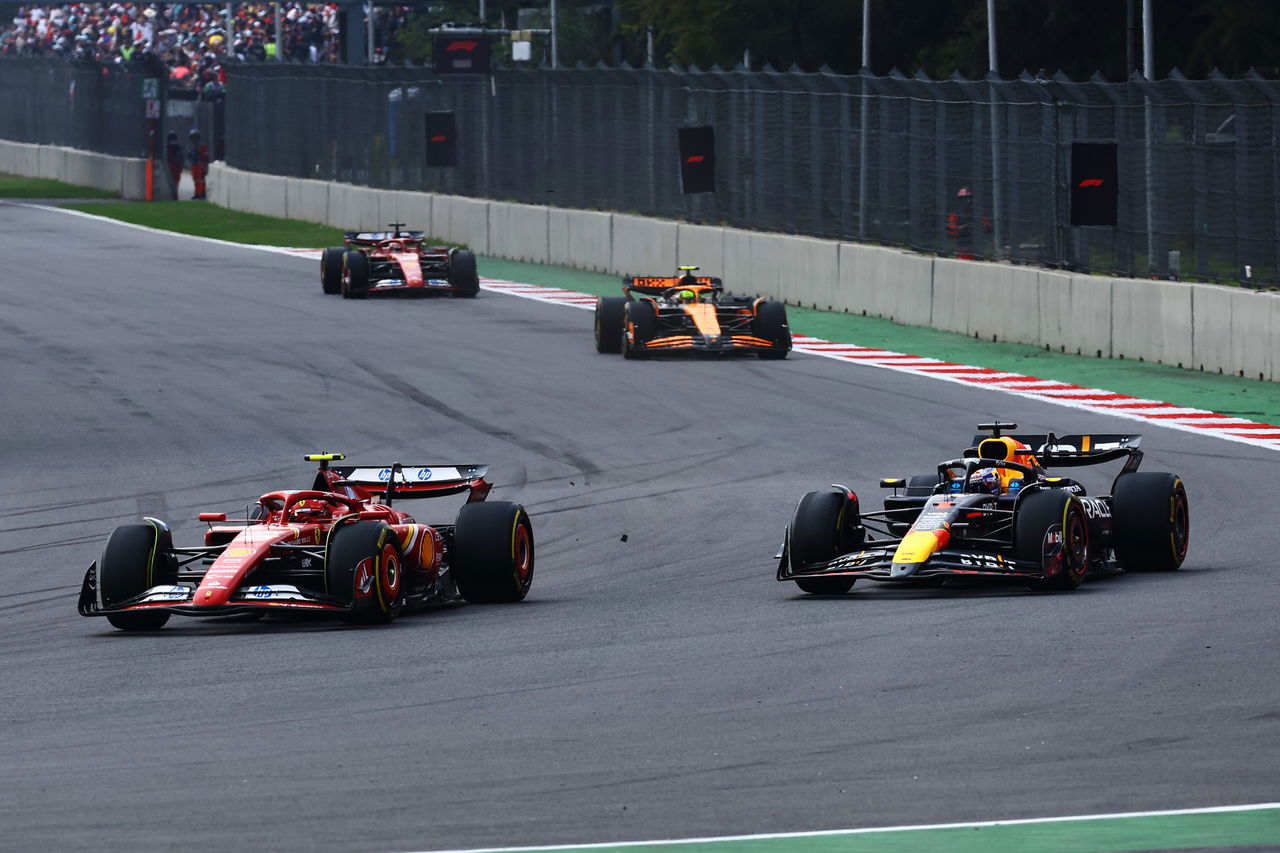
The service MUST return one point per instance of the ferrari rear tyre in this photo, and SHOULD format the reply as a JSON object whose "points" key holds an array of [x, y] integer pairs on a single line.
{"points": [[331, 270], [136, 558], [610, 313], [1151, 522], [771, 324], [462, 274], [355, 275], [824, 526], [492, 557], [639, 320], [1037, 513], [363, 565]]}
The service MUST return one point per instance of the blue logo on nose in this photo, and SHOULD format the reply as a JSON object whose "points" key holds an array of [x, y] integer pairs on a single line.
{"points": [[384, 474], [424, 473]]}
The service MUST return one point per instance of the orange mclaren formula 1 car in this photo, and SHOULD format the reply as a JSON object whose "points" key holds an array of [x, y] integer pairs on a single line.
{"points": [[396, 261], [338, 548], [995, 513], [688, 313]]}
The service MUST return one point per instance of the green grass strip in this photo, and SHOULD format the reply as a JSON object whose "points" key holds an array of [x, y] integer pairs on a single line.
{"points": [[17, 186], [208, 220]]}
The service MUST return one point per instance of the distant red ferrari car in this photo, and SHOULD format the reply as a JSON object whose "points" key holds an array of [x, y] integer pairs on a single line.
{"points": [[396, 261], [340, 547]]}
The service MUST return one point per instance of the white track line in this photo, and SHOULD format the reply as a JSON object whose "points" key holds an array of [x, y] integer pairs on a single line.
{"points": [[1098, 400], [868, 831]]}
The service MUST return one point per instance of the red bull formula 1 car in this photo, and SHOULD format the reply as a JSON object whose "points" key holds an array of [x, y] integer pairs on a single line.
{"points": [[396, 261], [994, 513], [688, 313], [340, 547]]}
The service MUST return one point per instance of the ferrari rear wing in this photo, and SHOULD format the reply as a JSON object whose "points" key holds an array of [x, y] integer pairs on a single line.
{"points": [[398, 480], [376, 236], [1069, 451]]}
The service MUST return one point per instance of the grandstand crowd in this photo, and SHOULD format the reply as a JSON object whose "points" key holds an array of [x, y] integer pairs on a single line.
{"points": [[193, 41]]}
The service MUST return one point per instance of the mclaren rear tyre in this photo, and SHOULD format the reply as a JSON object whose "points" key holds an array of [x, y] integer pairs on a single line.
{"points": [[331, 271], [639, 320], [824, 526], [492, 558], [771, 324], [363, 565], [136, 558], [462, 274], [1039, 513], [1151, 522], [355, 275], [610, 314]]}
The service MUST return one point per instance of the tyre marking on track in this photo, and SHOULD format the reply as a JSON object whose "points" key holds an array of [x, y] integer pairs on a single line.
{"points": [[1186, 419]]}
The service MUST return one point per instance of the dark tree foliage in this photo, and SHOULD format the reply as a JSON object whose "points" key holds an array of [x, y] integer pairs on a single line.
{"points": [[1079, 37]]}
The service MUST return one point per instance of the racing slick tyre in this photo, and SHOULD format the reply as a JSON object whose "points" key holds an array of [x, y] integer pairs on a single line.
{"points": [[331, 270], [462, 274], [1151, 522], [363, 565], [825, 525], [1037, 513], [638, 321], [771, 324], [136, 558], [355, 275], [492, 558], [610, 311]]}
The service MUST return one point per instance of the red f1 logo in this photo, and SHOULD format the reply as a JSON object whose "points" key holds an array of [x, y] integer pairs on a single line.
{"points": [[1091, 182]]}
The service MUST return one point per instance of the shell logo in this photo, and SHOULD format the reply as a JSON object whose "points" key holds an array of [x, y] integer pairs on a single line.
{"points": [[237, 552]]}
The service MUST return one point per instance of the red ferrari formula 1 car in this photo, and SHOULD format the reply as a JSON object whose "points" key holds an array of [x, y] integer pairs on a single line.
{"points": [[396, 261], [687, 313], [340, 547], [995, 513]]}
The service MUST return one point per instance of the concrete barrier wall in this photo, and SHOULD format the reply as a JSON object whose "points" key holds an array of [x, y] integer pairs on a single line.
{"points": [[1203, 327], [525, 230], [579, 238], [643, 246], [124, 175]]}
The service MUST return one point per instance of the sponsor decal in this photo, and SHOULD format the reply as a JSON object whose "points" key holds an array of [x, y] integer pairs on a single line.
{"points": [[424, 474], [237, 552], [1095, 508], [167, 593], [384, 475], [852, 561], [985, 561], [259, 592], [364, 578], [436, 282]]}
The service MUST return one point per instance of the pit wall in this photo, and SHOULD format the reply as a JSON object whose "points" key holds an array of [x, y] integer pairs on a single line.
{"points": [[124, 175]]}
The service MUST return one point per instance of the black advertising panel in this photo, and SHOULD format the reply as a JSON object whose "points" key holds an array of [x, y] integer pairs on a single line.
{"points": [[1095, 191], [697, 159], [442, 146], [461, 54]]}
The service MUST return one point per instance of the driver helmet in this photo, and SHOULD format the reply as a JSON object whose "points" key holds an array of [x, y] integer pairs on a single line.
{"points": [[395, 246], [687, 296], [985, 480]]}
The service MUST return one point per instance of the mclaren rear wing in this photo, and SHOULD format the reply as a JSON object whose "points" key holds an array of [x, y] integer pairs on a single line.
{"points": [[657, 285]]}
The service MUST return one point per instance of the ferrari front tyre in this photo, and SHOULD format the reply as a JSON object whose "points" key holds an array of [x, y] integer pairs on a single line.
{"points": [[771, 324], [610, 315], [363, 565], [1037, 515], [136, 558], [1150, 522], [331, 270], [638, 321], [492, 556], [355, 275], [824, 526], [462, 274]]}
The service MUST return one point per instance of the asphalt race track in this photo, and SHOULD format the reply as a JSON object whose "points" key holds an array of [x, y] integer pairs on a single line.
{"points": [[658, 682]]}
